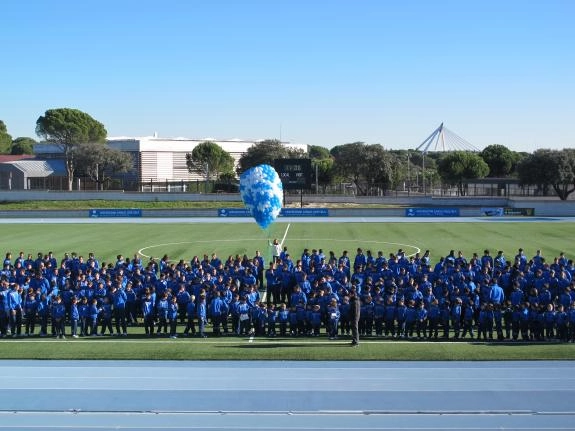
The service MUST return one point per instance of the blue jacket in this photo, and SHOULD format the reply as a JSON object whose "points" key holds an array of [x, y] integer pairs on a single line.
{"points": [[147, 307], [120, 298], [202, 311], [218, 307], [14, 300], [74, 312], [283, 316], [172, 311], [162, 308], [316, 318], [191, 309], [58, 310]]}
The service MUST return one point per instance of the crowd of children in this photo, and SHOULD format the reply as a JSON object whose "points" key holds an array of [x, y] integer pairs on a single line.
{"points": [[484, 297]]}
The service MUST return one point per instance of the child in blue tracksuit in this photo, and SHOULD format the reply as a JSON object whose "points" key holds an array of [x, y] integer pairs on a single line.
{"points": [[456, 317], [410, 318], [468, 313], [498, 321], [400, 317], [83, 308], [283, 319], [345, 316], [173, 316], [244, 317], [43, 310], [549, 318], [516, 321], [333, 315], [562, 322], [30, 311], [316, 320], [93, 313], [202, 316], [259, 316], [389, 318], [190, 316], [293, 321], [421, 324], [486, 322], [300, 315], [162, 313], [433, 316], [234, 314], [272, 319], [148, 313], [445, 314], [106, 313], [379, 315], [571, 323], [14, 302], [58, 314], [74, 317]]}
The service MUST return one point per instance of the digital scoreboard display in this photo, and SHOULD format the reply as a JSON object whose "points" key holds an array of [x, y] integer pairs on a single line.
{"points": [[295, 174]]}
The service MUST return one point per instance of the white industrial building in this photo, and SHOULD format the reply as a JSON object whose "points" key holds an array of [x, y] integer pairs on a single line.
{"points": [[161, 159], [158, 160]]}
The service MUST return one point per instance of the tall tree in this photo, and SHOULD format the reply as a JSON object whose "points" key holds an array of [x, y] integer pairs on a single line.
{"points": [[317, 152], [5, 139], [348, 164], [265, 152], [456, 166], [366, 166], [68, 128], [100, 162], [500, 159], [209, 160], [378, 167], [23, 145], [549, 168]]}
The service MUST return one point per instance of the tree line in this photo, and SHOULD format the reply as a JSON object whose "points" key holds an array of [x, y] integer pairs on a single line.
{"points": [[367, 167]]}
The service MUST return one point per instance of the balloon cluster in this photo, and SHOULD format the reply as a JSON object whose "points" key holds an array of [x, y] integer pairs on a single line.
{"points": [[262, 192]]}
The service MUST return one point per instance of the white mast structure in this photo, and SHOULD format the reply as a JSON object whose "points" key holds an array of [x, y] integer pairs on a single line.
{"points": [[442, 139]]}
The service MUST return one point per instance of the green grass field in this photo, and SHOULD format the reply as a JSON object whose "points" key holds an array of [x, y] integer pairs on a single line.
{"points": [[181, 240]]}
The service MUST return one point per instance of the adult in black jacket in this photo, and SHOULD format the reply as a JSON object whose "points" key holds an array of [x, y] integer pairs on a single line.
{"points": [[355, 306]]}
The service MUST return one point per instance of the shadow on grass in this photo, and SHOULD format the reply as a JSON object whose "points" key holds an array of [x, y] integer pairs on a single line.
{"points": [[519, 343], [281, 345]]}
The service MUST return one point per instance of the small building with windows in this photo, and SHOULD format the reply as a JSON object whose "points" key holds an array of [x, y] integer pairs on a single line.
{"points": [[28, 173]]}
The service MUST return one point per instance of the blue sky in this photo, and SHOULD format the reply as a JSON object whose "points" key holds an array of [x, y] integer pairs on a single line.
{"points": [[316, 72]]}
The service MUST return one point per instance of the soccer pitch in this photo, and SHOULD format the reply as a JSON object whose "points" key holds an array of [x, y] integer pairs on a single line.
{"points": [[183, 240]]}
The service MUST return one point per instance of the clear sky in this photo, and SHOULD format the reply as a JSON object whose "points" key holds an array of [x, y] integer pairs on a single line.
{"points": [[314, 72]]}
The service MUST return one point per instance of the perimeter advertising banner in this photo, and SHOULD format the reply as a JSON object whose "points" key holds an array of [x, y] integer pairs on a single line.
{"points": [[493, 212], [120, 212], [528, 212], [432, 212], [285, 212]]}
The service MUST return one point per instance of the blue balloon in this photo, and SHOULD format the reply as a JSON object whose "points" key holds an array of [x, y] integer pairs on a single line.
{"points": [[262, 192]]}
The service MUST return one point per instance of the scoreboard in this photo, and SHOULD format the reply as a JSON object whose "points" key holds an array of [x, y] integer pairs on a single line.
{"points": [[295, 174]]}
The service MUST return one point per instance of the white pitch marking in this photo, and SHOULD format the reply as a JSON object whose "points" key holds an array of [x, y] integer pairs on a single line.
{"points": [[285, 234]]}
